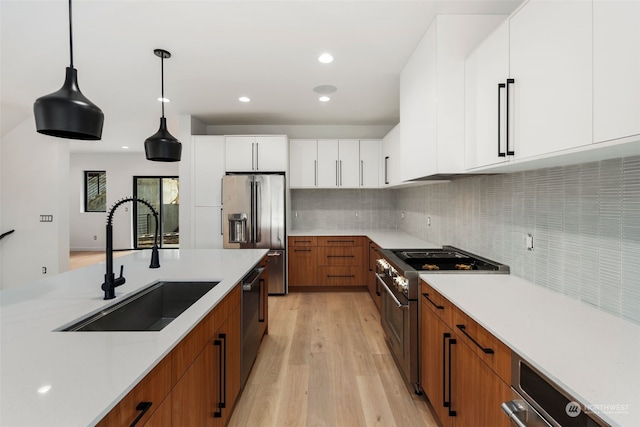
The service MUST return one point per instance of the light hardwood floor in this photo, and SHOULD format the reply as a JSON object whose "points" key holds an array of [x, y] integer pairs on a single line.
{"points": [[79, 259], [325, 363]]}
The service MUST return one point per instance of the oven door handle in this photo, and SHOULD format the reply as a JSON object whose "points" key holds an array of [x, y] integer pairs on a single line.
{"points": [[512, 409], [398, 303]]}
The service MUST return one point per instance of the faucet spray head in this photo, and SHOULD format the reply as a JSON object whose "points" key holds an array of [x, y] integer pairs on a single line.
{"points": [[155, 257]]}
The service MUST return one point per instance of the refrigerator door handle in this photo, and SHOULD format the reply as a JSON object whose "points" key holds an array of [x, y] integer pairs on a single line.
{"points": [[252, 215], [257, 213]]}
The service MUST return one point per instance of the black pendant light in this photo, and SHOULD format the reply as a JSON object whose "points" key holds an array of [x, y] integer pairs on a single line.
{"points": [[162, 147], [67, 113]]}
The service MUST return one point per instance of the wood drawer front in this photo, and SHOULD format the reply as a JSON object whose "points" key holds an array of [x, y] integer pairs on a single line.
{"points": [[152, 388], [340, 256], [339, 276], [303, 263], [339, 241], [188, 349], [432, 299], [303, 241], [489, 348]]}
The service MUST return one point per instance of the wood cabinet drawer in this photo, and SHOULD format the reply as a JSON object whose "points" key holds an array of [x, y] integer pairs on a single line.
{"points": [[303, 241], [340, 256], [489, 348], [339, 276], [303, 265], [339, 241], [435, 302], [153, 389]]}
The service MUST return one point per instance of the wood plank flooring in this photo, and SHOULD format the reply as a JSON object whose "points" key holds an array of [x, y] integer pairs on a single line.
{"points": [[79, 259], [324, 363]]}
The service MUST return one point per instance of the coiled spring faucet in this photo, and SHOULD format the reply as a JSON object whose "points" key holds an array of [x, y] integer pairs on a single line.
{"points": [[110, 281]]}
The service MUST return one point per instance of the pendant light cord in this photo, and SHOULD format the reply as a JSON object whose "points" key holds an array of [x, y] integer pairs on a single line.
{"points": [[162, 82], [70, 36]]}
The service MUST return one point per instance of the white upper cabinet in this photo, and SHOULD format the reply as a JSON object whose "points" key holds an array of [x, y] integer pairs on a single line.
{"points": [[432, 96], [328, 167], [303, 163], [208, 166], [550, 60], [616, 69], [333, 163], [390, 162], [256, 153], [486, 71], [370, 163]]}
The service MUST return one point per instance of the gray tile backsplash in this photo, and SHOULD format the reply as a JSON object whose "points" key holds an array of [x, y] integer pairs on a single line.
{"points": [[585, 220]]}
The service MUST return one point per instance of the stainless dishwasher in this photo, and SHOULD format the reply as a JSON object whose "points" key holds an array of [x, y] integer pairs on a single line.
{"points": [[252, 315]]}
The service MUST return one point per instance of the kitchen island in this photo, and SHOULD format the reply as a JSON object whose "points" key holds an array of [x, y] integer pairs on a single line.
{"points": [[52, 378]]}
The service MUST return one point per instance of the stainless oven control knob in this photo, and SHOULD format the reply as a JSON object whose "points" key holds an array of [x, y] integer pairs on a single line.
{"points": [[392, 272], [402, 283], [382, 265]]}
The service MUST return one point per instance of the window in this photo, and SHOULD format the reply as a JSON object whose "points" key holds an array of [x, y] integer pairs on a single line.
{"points": [[162, 192], [95, 191]]}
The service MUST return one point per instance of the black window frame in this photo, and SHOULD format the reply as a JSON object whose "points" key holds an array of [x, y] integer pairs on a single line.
{"points": [[86, 190]]}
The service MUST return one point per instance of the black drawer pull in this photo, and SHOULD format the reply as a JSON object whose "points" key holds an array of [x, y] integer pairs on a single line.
{"points": [[439, 307], [333, 276], [341, 241], [340, 256], [302, 241], [486, 350], [143, 407], [302, 250]]}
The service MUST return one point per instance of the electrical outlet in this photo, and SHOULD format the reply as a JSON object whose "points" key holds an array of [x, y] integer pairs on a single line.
{"points": [[402, 215], [429, 221], [95, 237], [529, 242], [44, 270]]}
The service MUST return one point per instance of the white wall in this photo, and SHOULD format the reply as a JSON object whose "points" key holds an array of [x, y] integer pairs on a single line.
{"points": [[34, 181], [304, 131], [120, 168]]}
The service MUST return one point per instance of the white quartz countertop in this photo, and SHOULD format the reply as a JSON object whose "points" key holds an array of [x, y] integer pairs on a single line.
{"points": [[592, 355], [386, 239], [90, 372]]}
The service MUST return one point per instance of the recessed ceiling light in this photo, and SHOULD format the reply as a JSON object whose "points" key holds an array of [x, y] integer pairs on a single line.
{"points": [[325, 89], [44, 389], [324, 99], [125, 147], [164, 100], [325, 58], [244, 99]]}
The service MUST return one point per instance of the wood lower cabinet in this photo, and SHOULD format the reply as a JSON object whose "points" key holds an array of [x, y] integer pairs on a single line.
{"points": [[322, 261], [371, 279], [457, 366], [197, 384]]}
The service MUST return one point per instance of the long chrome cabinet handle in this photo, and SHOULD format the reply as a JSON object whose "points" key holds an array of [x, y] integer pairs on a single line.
{"points": [[512, 408], [485, 350], [336, 173], [253, 156], [509, 152], [386, 288], [341, 173], [361, 173], [315, 172], [386, 170], [500, 87], [221, 222], [257, 156]]}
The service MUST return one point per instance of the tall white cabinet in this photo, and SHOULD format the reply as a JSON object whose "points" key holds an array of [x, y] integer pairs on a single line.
{"points": [[616, 69], [550, 60], [208, 170]]}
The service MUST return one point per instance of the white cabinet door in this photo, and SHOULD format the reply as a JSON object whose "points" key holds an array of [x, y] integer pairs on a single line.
{"points": [[349, 163], [270, 154], [208, 167], [370, 163], [303, 163], [390, 165], [328, 163], [240, 153], [486, 72], [616, 68], [208, 227], [551, 63]]}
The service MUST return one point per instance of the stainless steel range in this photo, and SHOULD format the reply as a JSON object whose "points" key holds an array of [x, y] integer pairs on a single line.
{"points": [[397, 272]]}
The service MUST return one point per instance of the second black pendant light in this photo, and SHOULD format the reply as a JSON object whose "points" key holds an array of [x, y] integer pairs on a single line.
{"points": [[162, 146]]}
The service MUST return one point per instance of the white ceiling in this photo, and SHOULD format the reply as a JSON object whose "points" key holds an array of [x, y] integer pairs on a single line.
{"points": [[266, 50]]}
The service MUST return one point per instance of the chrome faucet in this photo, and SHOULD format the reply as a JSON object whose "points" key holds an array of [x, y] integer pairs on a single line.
{"points": [[110, 281]]}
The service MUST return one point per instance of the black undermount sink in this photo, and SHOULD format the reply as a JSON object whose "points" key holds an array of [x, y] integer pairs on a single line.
{"points": [[151, 309]]}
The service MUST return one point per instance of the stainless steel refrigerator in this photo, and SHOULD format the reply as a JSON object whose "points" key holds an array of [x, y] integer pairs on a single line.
{"points": [[254, 217]]}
